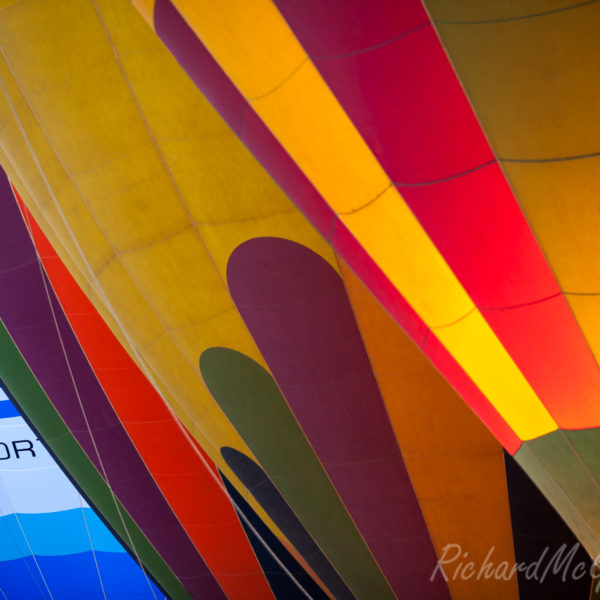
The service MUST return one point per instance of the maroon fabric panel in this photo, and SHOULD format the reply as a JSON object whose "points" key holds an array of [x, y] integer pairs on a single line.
{"points": [[351, 25], [403, 96], [25, 309], [297, 310]]}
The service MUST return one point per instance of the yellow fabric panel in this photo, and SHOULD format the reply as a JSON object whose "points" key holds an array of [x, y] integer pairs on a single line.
{"points": [[22, 165], [455, 464], [477, 10], [396, 241], [118, 181], [587, 311], [243, 34], [491, 369], [306, 118], [534, 82]]}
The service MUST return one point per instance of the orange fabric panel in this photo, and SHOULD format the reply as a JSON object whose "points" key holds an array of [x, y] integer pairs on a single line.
{"points": [[455, 464]]}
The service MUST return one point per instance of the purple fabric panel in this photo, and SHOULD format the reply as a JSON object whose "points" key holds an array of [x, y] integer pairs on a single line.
{"points": [[297, 310], [210, 79], [25, 311]]}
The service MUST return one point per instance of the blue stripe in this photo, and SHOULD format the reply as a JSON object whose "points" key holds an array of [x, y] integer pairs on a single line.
{"points": [[7, 409], [54, 534], [75, 577]]}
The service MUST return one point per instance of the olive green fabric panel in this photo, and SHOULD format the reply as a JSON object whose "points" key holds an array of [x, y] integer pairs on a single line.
{"points": [[558, 470], [250, 398]]}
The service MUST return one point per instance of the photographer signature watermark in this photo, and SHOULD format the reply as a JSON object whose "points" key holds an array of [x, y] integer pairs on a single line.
{"points": [[454, 564]]}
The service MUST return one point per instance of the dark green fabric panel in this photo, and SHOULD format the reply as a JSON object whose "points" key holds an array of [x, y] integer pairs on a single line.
{"points": [[555, 467], [250, 398], [587, 444], [38, 409]]}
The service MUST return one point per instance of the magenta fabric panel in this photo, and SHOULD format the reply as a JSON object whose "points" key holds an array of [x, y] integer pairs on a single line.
{"points": [[297, 310]]}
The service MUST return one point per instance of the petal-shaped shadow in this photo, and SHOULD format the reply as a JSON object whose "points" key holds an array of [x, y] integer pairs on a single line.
{"points": [[281, 584]]}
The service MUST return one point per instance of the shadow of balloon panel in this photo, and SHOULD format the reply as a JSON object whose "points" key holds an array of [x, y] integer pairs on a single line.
{"points": [[266, 545]]}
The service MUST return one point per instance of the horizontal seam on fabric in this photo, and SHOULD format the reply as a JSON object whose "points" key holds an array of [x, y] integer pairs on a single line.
{"points": [[581, 293], [281, 83], [470, 312], [549, 160], [359, 208], [371, 48], [489, 163], [524, 304], [520, 17]]}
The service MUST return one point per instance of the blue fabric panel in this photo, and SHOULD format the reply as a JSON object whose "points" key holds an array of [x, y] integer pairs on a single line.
{"points": [[54, 534], [74, 577]]}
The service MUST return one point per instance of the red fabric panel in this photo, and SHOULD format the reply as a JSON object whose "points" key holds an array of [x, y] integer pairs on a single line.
{"points": [[547, 344], [480, 230], [200, 504]]}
